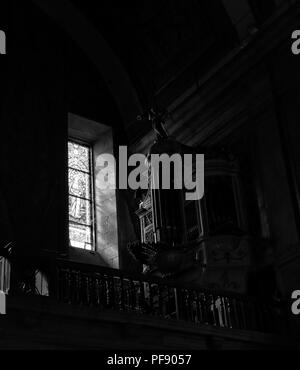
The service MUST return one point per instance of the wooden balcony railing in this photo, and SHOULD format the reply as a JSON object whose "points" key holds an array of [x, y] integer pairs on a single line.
{"points": [[110, 289]]}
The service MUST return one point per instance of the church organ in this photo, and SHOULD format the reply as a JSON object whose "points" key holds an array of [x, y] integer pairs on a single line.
{"points": [[207, 237]]}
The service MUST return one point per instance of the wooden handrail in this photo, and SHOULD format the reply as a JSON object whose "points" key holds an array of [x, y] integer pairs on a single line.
{"points": [[115, 289], [138, 277], [106, 288]]}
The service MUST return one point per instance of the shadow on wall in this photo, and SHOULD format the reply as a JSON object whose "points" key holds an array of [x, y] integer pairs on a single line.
{"points": [[105, 200]]}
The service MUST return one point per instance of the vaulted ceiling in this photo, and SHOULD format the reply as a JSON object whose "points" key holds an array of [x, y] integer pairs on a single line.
{"points": [[164, 46], [158, 41], [147, 53]]}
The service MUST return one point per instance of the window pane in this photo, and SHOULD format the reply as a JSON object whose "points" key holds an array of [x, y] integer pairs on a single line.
{"points": [[79, 184], [80, 210], [80, 197], [79, 157], [80, 236]]}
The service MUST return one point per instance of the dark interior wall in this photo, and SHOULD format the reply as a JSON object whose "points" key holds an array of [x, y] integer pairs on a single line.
{"points": [[265, 137], [4, 219], [43, 78], [265, 182], [269, 142], [286, 85], [128, 224], [34, 132], [270, 204]]}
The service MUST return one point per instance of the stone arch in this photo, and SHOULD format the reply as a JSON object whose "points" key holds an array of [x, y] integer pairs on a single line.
{"points": [[89, 39]]}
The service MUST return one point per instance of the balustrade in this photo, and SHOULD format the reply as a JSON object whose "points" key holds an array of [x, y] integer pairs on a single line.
{"points": [[110, 289], [115, 290]]}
